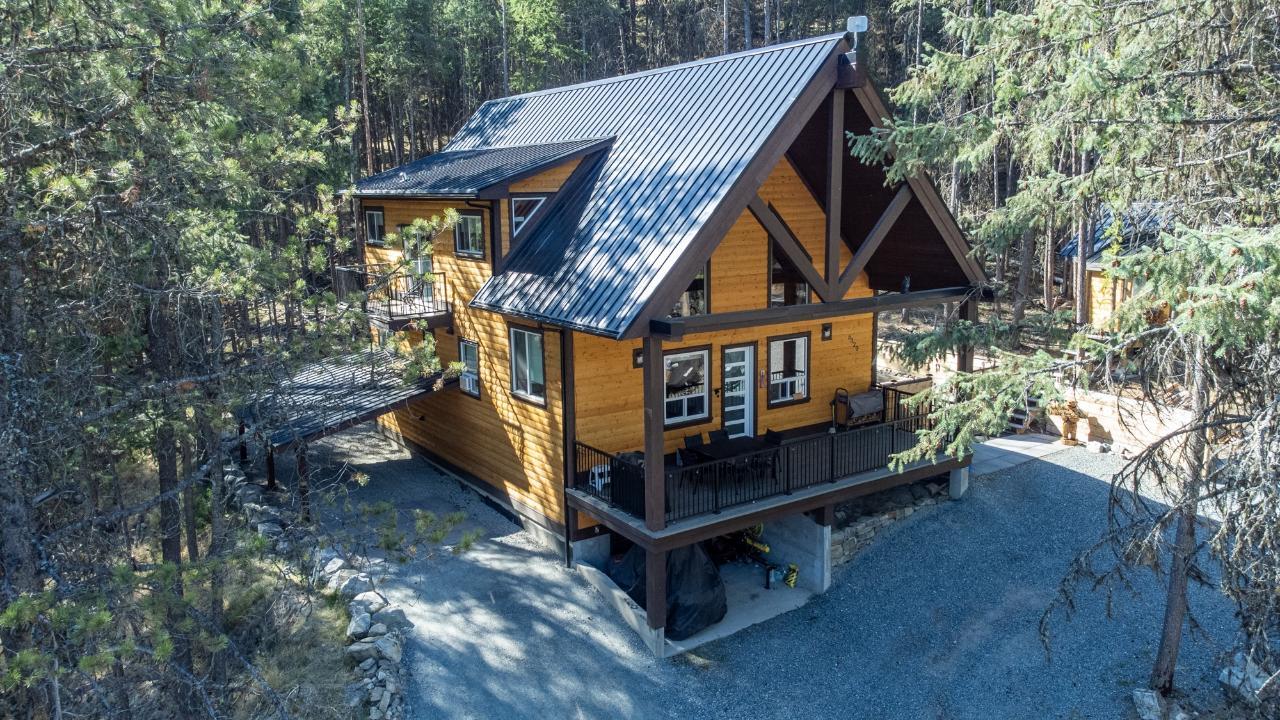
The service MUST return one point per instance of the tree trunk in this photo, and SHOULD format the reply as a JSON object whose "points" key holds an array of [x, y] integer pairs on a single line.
{"points": [[724, 29], [1184, 547], [746, 24], [364, 93], [1022, 293], [189, 501], [506, 53]]}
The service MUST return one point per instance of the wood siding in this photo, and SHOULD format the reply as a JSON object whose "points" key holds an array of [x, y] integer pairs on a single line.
{"points": [[1105, 293], [514, 446], [609, 390]]}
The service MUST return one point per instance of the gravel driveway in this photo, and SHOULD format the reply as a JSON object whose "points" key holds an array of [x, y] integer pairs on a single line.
{"points": [[937, 619]]}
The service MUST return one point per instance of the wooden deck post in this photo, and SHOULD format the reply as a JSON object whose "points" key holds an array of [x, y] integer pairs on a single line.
{"points": [[244, 451], [655, 588], [655, 501], [964, 356], [304, 490], [271, 467], [569, 404]]}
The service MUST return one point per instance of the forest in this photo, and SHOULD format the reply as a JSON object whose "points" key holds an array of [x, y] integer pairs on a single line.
{"points": [[172, 178]]}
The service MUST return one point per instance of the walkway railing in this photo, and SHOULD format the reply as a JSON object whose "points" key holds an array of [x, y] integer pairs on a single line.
{"points": [[392, 292]]}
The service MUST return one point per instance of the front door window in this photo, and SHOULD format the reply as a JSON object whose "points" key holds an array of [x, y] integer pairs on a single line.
{"points": [[738, 396]]}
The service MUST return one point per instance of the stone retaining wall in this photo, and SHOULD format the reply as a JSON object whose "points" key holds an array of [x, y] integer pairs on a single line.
{"points": [[858, 521]]}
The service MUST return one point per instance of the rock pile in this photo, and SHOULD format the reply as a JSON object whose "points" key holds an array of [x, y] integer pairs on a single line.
{"points": [[858, 521], [374, 634]]}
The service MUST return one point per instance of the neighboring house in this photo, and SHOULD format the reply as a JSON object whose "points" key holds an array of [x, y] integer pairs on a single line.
{"points": [[644, 263], [1140, 226]]}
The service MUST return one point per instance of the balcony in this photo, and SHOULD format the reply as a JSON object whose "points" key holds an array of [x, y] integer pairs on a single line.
{"points": [[705, 481], [395, 296]]}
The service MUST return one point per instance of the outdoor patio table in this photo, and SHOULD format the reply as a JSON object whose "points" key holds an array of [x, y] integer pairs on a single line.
{"points": [[726, 449]]}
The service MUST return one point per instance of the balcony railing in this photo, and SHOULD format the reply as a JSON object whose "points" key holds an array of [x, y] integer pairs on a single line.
{"points": [[393, 293], [772, 469]]}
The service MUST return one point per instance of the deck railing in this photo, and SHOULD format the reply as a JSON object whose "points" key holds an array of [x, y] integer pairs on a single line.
{"points": [[392, 291], [781, 469], [787, 385]]}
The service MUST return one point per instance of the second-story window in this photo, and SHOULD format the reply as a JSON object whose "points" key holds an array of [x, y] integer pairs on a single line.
{"points": [[786, 285], [788, 369], [694, 299], [528, 379], [375, 228], [686, 399], [468, 235], [523, 208], [469, 356]]}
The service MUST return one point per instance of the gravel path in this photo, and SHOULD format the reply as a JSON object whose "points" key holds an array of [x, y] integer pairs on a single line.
{"points": [[937, 619]]}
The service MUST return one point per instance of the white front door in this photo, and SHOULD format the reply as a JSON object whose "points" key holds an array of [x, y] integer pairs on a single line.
{"points": [[737, 397]]}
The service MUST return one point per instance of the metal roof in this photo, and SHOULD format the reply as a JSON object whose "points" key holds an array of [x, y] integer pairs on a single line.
{"points": [[1140, 225], [467, 173], [683, 136], [333, 394]]}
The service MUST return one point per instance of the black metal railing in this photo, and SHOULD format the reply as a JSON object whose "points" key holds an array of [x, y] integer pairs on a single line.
{"points": [[617, 480], [791, 465], [392, 291]]}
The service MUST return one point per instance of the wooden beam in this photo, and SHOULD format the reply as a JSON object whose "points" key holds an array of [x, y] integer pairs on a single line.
{"points": [[271, 468], [779, 231], [676, 328], [570, 432], [655, 488], [655, 588], [835, 189], [873, 239]]}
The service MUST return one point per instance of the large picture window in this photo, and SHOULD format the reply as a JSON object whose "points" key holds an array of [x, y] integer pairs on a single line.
{"points": [[788, 369], [469, 356], [522, 208], [687, 386], [528, 379], [375, 226], [468, 235], [786, 285], [694, 301]]}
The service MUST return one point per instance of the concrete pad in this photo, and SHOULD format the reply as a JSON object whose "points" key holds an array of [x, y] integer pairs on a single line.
{"points": [[1003, 453], [749, 604]]}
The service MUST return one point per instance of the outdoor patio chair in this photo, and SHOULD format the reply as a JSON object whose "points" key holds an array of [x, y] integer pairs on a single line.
{"points": [[692, 441], [718, 435]]}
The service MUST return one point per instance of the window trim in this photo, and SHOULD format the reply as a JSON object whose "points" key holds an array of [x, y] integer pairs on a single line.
{"points": [[475, 344], [469, 254], [364, 218], [770, 403], [511, 363], [683, 422], [542, 199]]}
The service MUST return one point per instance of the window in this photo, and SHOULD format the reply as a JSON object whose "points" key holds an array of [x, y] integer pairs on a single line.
{"points": [[468, 235], [694, 299], [788, 369], [786, 285], [413, 242], [686, 379], [469, 356], [375, 229], [522, 208], [528, 380]]}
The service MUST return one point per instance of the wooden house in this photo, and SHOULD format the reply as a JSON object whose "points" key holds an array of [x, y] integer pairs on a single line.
{"points": [[1137, 227], [657, 284]]}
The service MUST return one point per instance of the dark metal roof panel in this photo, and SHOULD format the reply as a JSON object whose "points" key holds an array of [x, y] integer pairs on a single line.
{"points": [[464, 173], [682, 137]]}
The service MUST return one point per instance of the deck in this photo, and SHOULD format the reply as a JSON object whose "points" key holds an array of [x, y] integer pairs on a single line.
{"points": [[394, 297], [807, 467]]}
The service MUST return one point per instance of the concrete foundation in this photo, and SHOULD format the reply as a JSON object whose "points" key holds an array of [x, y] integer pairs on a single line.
{"points": [[631, 613], [592, 551], [800, 540], [959, 483]]}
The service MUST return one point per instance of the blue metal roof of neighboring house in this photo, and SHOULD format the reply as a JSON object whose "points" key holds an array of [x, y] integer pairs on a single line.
{"points": [[466, 173], [1140, 225], [683, 136]]}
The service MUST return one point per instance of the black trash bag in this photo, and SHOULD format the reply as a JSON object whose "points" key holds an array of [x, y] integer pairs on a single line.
{"points": [[695, 592]]}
